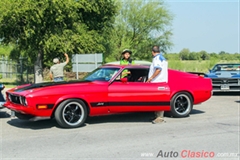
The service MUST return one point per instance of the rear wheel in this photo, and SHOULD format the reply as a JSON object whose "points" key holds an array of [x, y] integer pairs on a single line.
{"points": [[181, 104], [71, 113]]}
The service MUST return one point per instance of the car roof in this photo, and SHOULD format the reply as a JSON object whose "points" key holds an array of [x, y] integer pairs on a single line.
{"points": [[124, 66], [138, 62]]}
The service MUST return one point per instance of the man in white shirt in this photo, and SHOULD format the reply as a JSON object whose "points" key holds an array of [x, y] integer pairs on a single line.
{"points": [[158, 72]]}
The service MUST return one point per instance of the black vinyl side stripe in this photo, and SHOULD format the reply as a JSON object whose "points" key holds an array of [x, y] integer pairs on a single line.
{"points": [[101, 104], [50, 106]]}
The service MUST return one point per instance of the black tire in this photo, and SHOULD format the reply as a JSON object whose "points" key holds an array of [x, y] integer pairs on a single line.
{"points": [[71, 113], [181, 104]]}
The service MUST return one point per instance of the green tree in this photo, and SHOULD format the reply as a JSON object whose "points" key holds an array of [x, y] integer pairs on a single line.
{"points": [[236, 56], [52, 27], [213, 56], [172, 56], [138, 26], [193, 56], [184, 54], [5, 50], [204, 55], [222, 53]]}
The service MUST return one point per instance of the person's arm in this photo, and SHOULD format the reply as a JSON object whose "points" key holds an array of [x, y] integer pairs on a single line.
{"points": [[67, 58], [51, 75], [155, 74]]}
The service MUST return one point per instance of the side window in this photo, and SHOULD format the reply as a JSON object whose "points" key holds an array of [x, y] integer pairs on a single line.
{"points": [[121, 75], [138, 75], [134, 75]]}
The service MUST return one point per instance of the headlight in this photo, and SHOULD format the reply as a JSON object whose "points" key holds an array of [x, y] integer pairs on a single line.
{"points": [[9, 97], [23, 101]]}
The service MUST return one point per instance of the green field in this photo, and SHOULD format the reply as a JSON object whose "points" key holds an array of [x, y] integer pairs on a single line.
{"points": [[195, 66]]}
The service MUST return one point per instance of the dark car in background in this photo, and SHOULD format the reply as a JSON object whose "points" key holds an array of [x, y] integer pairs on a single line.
{"points": [[225, 77], [2, 100]]}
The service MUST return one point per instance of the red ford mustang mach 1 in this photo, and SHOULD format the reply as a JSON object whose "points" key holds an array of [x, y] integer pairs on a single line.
{"points": [[104, 92]]}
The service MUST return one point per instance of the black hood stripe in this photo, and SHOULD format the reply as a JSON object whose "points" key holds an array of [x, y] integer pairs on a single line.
{"points": [[48, 84]]}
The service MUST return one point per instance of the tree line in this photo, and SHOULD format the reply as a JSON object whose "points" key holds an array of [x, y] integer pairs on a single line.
{"points": [[53, 27], [185, 55]]}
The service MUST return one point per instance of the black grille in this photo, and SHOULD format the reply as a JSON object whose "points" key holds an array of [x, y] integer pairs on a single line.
{"points": [[232, 81], [225, 81], [231, 88], [15, 99]]}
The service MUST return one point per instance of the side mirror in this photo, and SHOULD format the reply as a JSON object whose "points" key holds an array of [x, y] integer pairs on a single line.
{"points": [[124, 80], [210, 71]]}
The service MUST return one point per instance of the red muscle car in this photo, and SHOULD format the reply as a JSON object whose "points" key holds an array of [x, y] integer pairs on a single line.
{"points": [[104, 92]]}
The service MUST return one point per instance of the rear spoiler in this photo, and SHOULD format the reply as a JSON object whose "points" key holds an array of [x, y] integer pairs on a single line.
{"points": [[199, 74]]}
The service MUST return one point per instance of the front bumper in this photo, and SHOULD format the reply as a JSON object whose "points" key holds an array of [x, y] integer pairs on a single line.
{"points": [[27, 110], [226, 84], [18, 108], [226, 88]]}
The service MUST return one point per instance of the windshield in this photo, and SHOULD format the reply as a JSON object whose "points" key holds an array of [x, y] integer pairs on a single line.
{"points": [[101, 74], [226, 67]]}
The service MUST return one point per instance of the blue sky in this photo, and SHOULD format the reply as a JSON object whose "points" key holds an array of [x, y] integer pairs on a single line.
{"points": [[210, 25]]}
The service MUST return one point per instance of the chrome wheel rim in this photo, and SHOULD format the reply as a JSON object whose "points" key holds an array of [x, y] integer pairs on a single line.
{"points": [[73, 113], [182, 104]]}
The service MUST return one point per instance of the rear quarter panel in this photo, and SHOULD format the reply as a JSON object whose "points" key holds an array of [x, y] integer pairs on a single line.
{"points": [[199, 87]]}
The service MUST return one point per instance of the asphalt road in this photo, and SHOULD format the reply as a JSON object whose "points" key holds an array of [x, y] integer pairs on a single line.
{"points": [[210, 132]]}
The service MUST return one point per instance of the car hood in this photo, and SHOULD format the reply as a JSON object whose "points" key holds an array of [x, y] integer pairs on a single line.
{"points": [[50, 86], [224, 74]]}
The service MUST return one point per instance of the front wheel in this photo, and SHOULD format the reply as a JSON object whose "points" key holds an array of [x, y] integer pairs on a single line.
{"points": [[181, 104], [71, 113]]}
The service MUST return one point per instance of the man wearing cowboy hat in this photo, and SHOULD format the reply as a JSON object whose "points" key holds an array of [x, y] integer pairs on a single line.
{"points": [[126, 60], [126, 57]]}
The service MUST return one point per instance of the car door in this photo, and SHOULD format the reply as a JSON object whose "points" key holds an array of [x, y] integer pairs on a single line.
{"points": [[138, 96]]}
